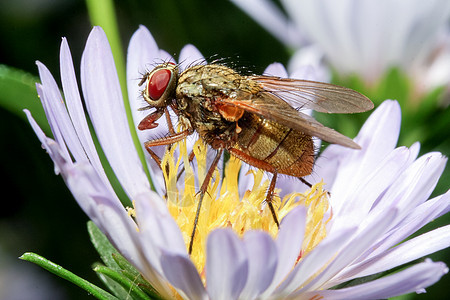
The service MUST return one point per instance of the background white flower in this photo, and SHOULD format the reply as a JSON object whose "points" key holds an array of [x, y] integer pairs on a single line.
{"points": [[364, 37]]}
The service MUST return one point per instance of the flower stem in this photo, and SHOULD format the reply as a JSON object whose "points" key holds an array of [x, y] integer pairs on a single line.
{"points": [[63, 273]]}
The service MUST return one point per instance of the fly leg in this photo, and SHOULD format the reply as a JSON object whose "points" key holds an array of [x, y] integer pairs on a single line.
{"points": [[154, 156], [191, 158], [203, 189], [169, 121], [305, 182], [266, 167], [167, 140], [149, 122], [172, 132]]}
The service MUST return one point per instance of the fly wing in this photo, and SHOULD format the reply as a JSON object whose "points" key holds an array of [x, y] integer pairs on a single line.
{"points": [[319, 96], [272, 108]]}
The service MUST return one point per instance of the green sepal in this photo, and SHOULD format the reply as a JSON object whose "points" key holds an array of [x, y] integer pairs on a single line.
{"points": [[63, 273]]}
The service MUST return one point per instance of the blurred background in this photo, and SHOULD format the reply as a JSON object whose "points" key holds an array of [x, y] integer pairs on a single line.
{"points": [[39, 214]]}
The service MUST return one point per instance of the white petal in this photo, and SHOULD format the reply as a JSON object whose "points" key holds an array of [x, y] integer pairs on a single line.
{"points": [[368, 37], [45, 141], [276, 69], [110, 216], [127, 241], [412, 187], [373, 187], [76, 111], [103, 208], [289, 244], [316, 19], [158, 229], [157, 233], [418, 218], [269, 16], [165, 56], [307, 63], [262, 262], [327, 166], [226, 265], [105, 105], [69, 171], [182, 274], [377, 139], [418, 182], [143, 55], [319, 257], [57, 116], [290, 239], [408, 251], [413, 279], [361, 241], [414, 149], [190, 56], [96, 200]]}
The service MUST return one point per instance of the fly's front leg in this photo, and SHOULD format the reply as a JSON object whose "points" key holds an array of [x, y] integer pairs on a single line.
{"points": [[149, 122], [266, 167], [169, 121], [168, 140]]}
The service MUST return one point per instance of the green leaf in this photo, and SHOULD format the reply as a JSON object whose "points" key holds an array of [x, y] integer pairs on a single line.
{"points": [[18, 91], [103, 246], [114, 286], [128, 285], [116, 262], [395, 84], [63, 273], [106, 251], [130, 271]]}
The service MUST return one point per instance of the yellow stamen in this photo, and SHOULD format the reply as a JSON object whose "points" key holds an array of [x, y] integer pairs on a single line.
{"points": [[222, 207]]}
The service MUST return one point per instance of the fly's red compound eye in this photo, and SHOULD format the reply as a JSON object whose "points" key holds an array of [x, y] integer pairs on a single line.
{"points": [[158, 83]]}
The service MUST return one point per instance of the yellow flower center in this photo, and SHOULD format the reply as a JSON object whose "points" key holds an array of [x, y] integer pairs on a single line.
{"points": [[222, 206]]}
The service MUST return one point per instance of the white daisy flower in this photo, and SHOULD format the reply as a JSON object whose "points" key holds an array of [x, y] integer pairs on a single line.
{"points": [[378, 198]]}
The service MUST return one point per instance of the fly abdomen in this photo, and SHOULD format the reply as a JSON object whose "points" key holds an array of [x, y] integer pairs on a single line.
{"points": [[282, 147]]}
